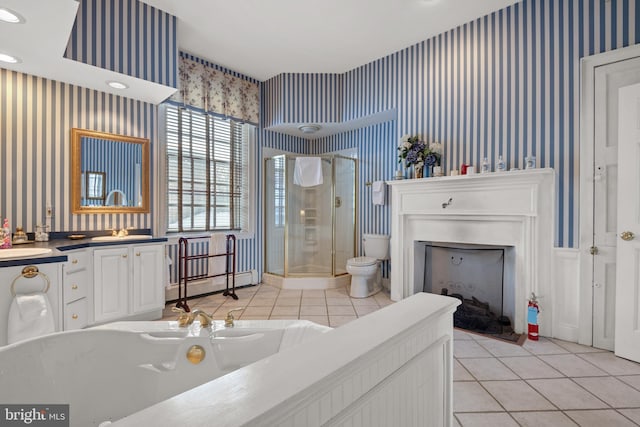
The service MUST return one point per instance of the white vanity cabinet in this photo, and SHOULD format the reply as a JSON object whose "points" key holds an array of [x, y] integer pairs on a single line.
{"points": [[110, 283], [76, 283], [148, 278], [128, 282]]}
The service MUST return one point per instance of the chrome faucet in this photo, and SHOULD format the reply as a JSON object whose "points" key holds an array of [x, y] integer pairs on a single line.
{"points": [[228, 321], [187, 318]]}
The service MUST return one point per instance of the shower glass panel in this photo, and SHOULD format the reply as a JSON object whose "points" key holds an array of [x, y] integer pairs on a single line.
{"points": [[275, 190], [344, 212], [309, 231], [309, 224]]}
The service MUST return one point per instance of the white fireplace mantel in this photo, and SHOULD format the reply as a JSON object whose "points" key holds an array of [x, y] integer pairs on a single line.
{"points": [[507, 209]]}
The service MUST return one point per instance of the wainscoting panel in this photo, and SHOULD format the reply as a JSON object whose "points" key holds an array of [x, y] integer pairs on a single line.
{"points": [[567, 294]]}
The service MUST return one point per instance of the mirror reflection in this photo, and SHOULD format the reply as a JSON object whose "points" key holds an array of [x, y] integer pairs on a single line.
{"points": [[94, 187], [109, 172]]}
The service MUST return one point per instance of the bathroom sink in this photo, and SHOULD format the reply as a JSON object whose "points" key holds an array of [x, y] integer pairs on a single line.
{"points": [[23, 252], [119, 239]]}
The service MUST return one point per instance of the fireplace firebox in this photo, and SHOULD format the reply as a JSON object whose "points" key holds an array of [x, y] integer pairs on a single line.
{"points": [[480, 276]]}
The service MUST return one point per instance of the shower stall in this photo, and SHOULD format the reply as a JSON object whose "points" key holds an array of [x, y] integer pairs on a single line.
{"points": [[309, 230]]}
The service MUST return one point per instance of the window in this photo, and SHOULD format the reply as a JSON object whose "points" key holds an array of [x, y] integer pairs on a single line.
{"points": [[207, 184]]}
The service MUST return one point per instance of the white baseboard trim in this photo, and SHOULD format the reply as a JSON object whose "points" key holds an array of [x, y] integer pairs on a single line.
{"points": [[206, 286]]}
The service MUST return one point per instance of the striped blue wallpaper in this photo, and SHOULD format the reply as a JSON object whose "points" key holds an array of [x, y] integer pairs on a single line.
{"points": [[36, 117], [303, 98], [288, 143], [505, 84], [128, 37]]}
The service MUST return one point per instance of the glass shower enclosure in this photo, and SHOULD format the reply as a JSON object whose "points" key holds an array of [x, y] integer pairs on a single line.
{"points": [[309, 231]]}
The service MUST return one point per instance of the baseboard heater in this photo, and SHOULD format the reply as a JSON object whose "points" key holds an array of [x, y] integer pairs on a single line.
{"points": [[206, 286]]}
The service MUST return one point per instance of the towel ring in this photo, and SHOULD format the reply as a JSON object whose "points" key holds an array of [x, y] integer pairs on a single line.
{"points": [[30, 272]]}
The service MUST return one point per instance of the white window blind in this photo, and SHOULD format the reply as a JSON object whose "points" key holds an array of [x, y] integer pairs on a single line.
{"points": [[207, 185], [279, 190]]}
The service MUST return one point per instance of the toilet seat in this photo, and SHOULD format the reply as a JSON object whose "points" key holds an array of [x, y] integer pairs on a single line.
{"points": [[362, 261]]}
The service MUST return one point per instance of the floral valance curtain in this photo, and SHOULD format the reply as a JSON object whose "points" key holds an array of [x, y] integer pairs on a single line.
{"points": [[203, 86]]}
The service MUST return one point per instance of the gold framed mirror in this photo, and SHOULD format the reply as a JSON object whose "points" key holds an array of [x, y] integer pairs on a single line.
{"points": [[117, 164]]}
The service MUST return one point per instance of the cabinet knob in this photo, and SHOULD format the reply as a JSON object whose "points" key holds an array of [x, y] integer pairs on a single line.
{"points": [[75, 261], [137, 253], [74, 286], [124, 255], [74, 317]]}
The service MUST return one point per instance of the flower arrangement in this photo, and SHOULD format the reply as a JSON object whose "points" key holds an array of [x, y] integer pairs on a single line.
{"points": [[417, 153]]}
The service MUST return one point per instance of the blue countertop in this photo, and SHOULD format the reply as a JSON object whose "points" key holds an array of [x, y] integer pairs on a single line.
{"points": [[60, 246]]}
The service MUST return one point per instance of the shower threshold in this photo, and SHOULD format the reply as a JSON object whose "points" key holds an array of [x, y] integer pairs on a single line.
{"points": [[306, 282]]}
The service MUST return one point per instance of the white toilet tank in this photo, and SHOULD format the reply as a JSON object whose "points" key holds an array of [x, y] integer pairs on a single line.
{"points": [[376, 245]]}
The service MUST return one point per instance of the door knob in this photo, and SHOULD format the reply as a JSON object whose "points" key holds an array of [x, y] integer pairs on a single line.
{"points": [[626, 236]]}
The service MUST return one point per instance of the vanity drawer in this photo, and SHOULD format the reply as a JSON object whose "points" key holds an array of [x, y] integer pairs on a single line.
{"points": [[75, 315], [75, 286], [77, 261]]}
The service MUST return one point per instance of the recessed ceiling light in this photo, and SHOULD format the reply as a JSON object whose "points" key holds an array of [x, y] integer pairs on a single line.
{"points": [[117, 85], [309, 128], [10, 16], [8, 58]]}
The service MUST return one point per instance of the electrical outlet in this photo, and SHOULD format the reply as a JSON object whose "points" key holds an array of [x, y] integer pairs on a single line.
{"points": [[49, 211]]}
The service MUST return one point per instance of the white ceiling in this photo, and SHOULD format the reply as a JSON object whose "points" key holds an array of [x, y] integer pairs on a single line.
{"points": [[262, 38]]}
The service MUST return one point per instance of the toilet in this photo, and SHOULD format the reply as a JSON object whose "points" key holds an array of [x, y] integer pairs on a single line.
{"points": [[366, 275]]}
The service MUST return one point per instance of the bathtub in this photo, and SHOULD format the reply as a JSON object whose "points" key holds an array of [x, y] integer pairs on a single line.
{"points": [[390, 367], [108, 372]]}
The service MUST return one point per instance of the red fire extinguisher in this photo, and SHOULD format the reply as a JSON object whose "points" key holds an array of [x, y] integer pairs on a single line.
{"points": [[532, 317]]}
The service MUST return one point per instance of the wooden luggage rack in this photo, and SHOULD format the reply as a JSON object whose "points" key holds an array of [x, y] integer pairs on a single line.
{"points": [[183, 267]]}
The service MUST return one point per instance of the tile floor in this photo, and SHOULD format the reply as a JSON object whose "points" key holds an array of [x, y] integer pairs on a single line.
{"points": [[496, 384], [332, 307]]}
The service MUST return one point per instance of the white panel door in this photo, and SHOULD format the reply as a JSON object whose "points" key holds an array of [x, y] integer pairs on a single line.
{"points": [[608, 80], [627, 326]]}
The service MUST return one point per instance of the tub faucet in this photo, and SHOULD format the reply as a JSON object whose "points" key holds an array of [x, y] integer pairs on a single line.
{"points": [[187, 318], [228, 321], [205, 319]]}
